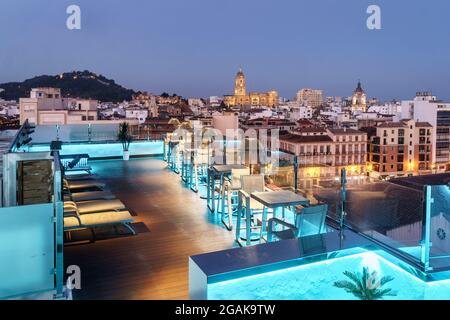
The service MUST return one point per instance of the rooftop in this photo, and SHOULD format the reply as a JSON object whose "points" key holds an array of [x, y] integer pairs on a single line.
{"points": [[296, 138], [173, 224], [345, 131]]}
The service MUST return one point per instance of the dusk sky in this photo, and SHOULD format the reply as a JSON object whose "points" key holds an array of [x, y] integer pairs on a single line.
{"points": [[194, 48]]}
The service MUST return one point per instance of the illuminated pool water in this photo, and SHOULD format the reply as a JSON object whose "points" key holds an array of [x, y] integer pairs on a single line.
{"points": [[315, 281], [104, 150]]}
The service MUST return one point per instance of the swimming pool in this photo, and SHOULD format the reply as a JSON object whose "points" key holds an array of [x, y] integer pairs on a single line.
{"points": [[315, 281]]}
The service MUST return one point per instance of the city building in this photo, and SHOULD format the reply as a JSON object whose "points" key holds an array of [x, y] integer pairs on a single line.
{"points": [[323, 153], [427, 108], [148, 101], [359, 99], [268, 124], [136, 112], [167, 99], [46, 106], [214, 101], [295, 110], [310, 97], [242, 98], [401, 148], [197, 105], [391, 108]]}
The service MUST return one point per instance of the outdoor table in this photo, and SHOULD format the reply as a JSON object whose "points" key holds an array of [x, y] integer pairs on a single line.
{"points": [[271, 200]]}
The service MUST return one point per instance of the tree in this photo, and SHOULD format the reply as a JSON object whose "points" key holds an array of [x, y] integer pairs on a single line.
{"points": [[365, 286]]}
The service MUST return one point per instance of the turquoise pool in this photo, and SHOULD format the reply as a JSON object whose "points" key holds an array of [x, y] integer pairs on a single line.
{"points": [[104, 150], [314, 281]]}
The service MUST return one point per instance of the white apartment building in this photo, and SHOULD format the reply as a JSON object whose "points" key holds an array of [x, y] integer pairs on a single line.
{"points": [[427, 108], [386, 109], [136, 113], [300, 112], [214, 101], [9, 108]]}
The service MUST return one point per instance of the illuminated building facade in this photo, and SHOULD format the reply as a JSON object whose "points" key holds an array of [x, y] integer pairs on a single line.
{"points": [[359, 99], [401, 148], [323, 153], [242, 98]]}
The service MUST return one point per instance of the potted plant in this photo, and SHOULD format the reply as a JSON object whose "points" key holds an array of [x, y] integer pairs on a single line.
{"points": [[366, 286], [125, 138]]}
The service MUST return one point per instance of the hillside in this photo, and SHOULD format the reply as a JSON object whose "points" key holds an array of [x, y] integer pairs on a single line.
{"points": [[82, 84]]}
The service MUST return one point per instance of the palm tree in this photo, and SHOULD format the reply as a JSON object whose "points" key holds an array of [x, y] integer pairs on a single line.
{"points": [[365, 286]]}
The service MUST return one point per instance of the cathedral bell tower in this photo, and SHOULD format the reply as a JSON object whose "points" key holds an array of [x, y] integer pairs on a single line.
{"points": [[239, 84]]}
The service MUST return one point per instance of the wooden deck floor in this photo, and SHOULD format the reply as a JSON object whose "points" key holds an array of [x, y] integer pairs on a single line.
{"points": [[151, 265]]}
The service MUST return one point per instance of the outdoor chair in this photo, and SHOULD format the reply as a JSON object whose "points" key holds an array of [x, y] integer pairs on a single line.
{"points": [[309, 221], [230, 189], [249, 185]]}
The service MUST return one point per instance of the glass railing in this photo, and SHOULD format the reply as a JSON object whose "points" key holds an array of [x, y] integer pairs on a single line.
{"points": [[282, 174], [86, 133], [439, 227], [389, 213]]}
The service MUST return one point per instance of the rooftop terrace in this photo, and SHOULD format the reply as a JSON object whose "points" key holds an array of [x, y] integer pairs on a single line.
{"points": [[173, 224], [408, 219]]}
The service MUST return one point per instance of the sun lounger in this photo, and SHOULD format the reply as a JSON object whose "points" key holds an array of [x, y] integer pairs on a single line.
{"points": [[75, 221], [77, 177], [91, 195], [83, 185], [94, 206]]}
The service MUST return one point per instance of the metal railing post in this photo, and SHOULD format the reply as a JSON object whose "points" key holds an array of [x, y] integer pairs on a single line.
{"points": [[59, 226], [296, 174], [343, 198], [426, 229]]}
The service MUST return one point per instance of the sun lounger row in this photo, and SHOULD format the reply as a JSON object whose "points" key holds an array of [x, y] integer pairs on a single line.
{"points": [[88, 206]]}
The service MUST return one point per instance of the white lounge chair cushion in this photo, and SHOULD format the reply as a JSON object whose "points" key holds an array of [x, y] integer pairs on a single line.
{"points": [[92, 195], [73, 185], [93, 206], [98, 219]]}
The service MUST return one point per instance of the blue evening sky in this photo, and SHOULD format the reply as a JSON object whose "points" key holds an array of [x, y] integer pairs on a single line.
{"points": [[194, 47]]}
